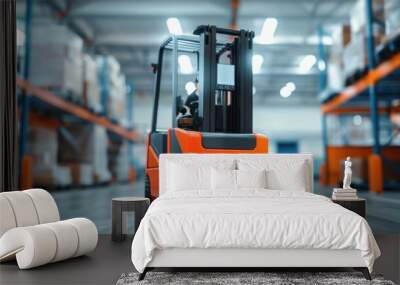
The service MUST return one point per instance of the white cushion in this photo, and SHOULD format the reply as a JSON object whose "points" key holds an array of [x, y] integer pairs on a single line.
{"points": [[31, 232], [40, 244], [7, 218], [46, 207], [87, 233], [23, 208], [32, 246], [67, 239], [26, 208], [189, 175], [235, 179], [251, 178], [223, 179], [282, 174], [242, 161]]}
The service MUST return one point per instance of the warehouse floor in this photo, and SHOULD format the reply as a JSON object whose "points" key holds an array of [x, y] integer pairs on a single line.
{"points": [[110, 260], [94, 203]]}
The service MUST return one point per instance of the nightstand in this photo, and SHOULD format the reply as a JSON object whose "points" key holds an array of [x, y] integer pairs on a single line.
{"points": [[120, 208], [358, 206]]}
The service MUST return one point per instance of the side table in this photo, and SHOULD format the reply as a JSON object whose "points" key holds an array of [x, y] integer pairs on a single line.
{"points": [[120, 207], [357, 205]]}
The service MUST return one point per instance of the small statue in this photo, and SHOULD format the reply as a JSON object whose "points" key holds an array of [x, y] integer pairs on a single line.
{"points": [[347, 174]]}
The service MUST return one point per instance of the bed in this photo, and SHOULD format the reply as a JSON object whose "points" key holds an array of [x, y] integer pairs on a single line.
{"points": [[247, 211]]}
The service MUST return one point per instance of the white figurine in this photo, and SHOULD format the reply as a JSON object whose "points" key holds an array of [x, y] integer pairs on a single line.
{"points": [[347, 174]]}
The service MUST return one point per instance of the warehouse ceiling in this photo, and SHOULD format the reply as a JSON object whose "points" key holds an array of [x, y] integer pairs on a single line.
{"points": [[133, 30]]}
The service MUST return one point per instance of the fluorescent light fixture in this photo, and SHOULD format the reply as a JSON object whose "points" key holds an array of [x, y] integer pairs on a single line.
{"points": [[257, 62], [190, 87], [285, 92], [174, 26], [357, 120], [291, 86], [327, 40], [321, 65], [185, 65], [307, 63], [288, 89], [267, 32]]}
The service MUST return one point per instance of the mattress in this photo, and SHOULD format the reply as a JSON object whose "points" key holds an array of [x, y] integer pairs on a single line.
{"points": [[250, 219]]}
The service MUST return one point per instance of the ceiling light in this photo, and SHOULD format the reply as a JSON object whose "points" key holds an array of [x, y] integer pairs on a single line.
{"points": [[190, 87], [321, 65], [257, 62], [357, 120], [307, 63], [185, 65], [254, 90], [285, 91], [174, 26], [327, 40], [267, 32], [291, 86]]}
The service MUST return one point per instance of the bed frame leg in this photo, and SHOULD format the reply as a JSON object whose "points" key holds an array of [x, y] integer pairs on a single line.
{"points": [[143, 274], [364, 271]]}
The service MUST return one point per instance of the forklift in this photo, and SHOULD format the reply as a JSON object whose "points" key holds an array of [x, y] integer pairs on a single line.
{"points": [[220, 119]]}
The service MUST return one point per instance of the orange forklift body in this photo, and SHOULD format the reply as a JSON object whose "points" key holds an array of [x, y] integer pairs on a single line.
{"points": [[189, 142]]}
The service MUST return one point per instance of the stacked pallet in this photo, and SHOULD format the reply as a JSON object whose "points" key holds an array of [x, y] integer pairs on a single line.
{"points": [[355, 55], [56, 60]]}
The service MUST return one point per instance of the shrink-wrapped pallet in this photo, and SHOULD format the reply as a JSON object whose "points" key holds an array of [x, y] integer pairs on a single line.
{"points": [[85, 145], [56, 59], [42, 146], [91, 88], [392, 17]]}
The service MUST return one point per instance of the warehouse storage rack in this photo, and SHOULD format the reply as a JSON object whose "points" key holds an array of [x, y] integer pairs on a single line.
{"points": [[368, 95], [41, 107]]}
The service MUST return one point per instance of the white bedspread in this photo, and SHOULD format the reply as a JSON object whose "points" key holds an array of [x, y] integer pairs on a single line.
{"points": [[250, 219]]}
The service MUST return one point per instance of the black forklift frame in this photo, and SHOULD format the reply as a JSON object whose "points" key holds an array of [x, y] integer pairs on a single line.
{"points": [[204, 44]]}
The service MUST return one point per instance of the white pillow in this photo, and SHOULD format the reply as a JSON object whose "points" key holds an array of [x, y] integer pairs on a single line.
{"points": [[291, 179], [251, 178], [282, 174], [235, 179], [184, 175], [223, 179]]}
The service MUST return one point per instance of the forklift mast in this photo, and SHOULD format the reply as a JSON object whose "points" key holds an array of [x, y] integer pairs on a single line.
{"points": [[225, 99], [220, 117], [231, 83]]}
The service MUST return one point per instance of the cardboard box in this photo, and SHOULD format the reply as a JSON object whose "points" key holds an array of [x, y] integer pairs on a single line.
{"points": [[358, 15], [341, 37], [392, 17], [355, 54], [76, 142], [85, 145]]}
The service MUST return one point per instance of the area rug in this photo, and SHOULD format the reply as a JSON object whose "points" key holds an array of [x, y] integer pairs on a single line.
{"points": [[269, 278]]}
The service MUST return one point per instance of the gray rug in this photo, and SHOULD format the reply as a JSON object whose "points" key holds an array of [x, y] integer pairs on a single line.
{"points": [[228, 278]]}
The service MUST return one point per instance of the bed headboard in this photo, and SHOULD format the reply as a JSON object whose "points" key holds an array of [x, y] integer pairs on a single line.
{"points": [[165, 159]]}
